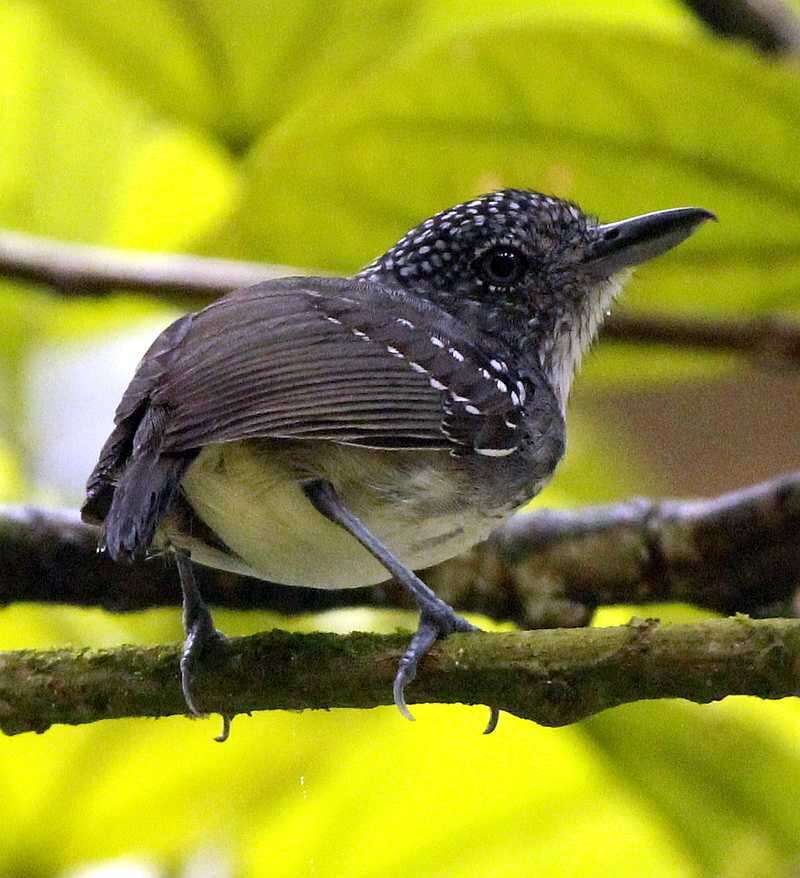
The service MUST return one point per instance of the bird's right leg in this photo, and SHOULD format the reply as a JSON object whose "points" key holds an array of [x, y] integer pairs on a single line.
{"points": [[437, 618]]}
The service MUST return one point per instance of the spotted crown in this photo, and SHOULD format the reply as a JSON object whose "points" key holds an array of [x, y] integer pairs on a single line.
{"points": [[469, 248]]}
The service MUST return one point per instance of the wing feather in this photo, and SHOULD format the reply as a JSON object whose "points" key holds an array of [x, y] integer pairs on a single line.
{"points": [[331, 358]]}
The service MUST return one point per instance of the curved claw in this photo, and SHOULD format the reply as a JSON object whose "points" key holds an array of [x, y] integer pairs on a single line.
{"points": [[187, 697], [186, 685], [223, 736], [398, 690], [494, 719], [428, 631]]}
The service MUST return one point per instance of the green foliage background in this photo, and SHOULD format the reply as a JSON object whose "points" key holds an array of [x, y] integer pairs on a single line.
{"points": [[314, 133]]}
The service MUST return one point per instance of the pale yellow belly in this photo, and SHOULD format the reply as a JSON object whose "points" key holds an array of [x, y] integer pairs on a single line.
{"points": [[250, 496]]}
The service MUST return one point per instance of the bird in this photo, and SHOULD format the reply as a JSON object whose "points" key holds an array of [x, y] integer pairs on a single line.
{"points": [[340, 431]]}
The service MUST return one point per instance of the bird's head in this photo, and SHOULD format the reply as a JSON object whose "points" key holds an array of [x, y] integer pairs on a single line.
{"points": [[531, 268]]}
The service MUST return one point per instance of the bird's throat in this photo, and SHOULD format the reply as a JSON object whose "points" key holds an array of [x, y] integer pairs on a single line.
{"points": [[561, 350]]}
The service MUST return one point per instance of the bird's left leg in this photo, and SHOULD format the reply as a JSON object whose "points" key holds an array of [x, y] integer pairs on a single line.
{"points": [[201, 635], [437, 618]]}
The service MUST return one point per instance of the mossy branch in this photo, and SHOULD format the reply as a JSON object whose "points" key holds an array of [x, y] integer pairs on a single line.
{"points": [[553, 677]]}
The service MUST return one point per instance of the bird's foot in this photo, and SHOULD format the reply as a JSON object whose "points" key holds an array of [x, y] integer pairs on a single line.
{"points": [[202, 638], [436, 622]]}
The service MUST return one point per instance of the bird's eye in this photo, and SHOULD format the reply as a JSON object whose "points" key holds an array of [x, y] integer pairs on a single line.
{"points": [[502, 266]]}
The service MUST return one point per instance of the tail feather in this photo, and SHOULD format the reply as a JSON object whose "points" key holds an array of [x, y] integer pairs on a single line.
{"points": [[133, 484], [103, 480], [142, 497], [144, 489]]}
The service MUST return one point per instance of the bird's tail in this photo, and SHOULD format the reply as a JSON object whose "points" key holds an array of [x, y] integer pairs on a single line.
{"points": [[142, 497], [144, 490]]}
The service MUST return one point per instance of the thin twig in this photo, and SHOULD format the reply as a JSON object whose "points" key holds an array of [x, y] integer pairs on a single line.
{"points": [[736, 553], [552, 677], [79, 269]]}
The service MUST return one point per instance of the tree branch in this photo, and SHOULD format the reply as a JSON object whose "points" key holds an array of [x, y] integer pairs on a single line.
{"points": [[772, 26], [82, 269], [739, 552], [552, 677], [79, 269], [768, 341]]}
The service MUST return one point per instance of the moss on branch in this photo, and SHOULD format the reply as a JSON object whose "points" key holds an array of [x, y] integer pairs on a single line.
{"points": [[552, 677]]}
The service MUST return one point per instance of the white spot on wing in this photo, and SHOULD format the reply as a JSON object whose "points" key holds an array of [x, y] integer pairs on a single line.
{"points": [[496, 452]]}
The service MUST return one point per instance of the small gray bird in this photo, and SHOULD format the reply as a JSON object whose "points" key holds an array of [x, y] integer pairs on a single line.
{"points": [[335, 432]]}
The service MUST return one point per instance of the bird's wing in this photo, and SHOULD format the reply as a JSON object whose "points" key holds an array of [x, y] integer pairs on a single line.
{"points": [[314, 358]]}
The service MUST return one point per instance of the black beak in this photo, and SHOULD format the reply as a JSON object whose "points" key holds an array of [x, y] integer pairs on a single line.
{"points": [[632, 241]]}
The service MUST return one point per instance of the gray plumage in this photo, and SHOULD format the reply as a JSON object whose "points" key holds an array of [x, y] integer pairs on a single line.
{"points": [[330, 432], [443, 366]]}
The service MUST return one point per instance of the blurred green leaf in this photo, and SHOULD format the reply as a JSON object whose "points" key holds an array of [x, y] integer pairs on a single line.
{"points": [[176, 188], [666, 16], [728, 789], [82, 160], [70, 132], [23, 314], [444, 802], [157, 49], [317, 795], [238, 67]]}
